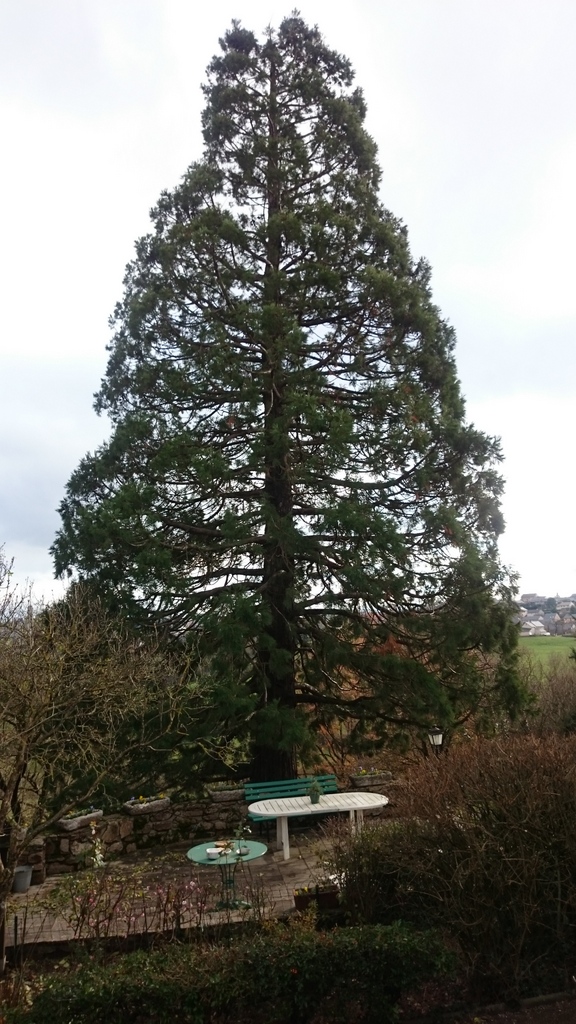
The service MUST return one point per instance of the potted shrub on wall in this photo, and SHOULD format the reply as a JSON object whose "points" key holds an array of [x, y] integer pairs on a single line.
{"points": [[224, 792], [147, 804], [79, 819], [363, 778]]}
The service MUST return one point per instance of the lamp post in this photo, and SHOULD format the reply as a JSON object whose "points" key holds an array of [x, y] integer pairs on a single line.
{"points": [[436, 737]]}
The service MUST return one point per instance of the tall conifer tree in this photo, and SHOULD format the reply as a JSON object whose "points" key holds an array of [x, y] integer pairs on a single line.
{"points": [[290, 474]]}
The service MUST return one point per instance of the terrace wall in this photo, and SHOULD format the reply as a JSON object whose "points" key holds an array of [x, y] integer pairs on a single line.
{"points": [[123, 833]]}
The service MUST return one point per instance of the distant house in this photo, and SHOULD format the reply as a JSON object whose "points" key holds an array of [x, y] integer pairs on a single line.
{"points": [[531, 599], [533, 628], [551, 621]]}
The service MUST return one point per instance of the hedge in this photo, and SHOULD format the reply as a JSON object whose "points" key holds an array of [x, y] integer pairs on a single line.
{"points": [[284, 975]]}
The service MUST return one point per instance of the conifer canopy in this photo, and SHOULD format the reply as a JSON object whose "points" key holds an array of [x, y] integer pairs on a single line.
{"points": [[291, 478]]}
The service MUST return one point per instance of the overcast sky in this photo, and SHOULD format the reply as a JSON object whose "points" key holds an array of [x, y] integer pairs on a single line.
{"points": [[472, 104]]}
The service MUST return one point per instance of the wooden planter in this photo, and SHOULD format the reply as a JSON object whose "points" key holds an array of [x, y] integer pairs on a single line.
{"points": [[304, 900], [147, 806], [328, 899], [325, 899]]}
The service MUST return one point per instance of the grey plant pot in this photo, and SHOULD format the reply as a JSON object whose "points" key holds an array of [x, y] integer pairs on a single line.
{"points": [[372, 779], [71, 824], [22, 878], [224, 796], [151, 807]]}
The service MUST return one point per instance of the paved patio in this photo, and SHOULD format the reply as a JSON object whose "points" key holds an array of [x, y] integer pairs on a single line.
{"points": [[268, 883]]}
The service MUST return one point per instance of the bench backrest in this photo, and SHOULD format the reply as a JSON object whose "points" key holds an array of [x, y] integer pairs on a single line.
{"points": [[288, 787]]}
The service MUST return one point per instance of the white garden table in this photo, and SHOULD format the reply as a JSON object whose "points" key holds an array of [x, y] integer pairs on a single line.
{"points": [[286, 807]]}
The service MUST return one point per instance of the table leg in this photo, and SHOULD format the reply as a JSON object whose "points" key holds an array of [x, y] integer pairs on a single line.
{"points": [[278, 833], [285, 842], [229, 901], [352, 816], [359, 819]]}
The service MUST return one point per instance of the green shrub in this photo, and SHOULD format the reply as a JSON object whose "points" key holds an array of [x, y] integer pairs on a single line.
{"points": [[285, 975]]}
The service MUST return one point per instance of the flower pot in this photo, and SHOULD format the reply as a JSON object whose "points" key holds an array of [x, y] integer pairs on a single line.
{"points": [[22, 878], [147, 806], [315, 798], [71, 824]]}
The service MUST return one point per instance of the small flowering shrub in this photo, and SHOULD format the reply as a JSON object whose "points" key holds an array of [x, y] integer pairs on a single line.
{"points": [[101, 903]]}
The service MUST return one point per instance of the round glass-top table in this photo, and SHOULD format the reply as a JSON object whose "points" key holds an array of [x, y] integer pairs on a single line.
{"points": [[228, 862]]}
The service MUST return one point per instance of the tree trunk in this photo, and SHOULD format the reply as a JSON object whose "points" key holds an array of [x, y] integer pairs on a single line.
{"points": [[269, 764], [276, 653]]}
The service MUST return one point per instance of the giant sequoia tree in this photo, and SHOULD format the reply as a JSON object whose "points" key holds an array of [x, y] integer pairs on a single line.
{"points": [[290, 475]]}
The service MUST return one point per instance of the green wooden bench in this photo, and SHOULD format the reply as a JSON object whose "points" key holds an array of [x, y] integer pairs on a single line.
{"points": [[254, 791]]}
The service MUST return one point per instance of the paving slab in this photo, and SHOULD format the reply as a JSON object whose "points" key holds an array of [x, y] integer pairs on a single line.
{"points": [[269, 881]]}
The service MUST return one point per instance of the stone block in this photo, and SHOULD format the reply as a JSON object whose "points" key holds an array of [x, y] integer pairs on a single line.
{"points": [[111, 832], [59, 868], [161, 826], [77, 849], [125, 828]]}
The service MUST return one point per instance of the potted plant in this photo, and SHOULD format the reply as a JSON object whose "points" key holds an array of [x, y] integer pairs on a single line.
{"points": [[315, 792], [146, 804], [79, 818]]}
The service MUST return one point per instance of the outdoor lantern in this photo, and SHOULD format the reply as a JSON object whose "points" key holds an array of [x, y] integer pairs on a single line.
{"points": [[436, 736]]}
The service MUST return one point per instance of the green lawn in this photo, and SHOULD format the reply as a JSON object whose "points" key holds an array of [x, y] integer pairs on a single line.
{"points": [[543, 647]]}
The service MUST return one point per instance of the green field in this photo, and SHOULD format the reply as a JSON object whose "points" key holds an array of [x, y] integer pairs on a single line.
{"points": [[543, 647]]}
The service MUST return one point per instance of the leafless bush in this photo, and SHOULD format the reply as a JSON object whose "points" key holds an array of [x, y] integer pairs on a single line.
{"points": [[552, 695], [486, 847]]}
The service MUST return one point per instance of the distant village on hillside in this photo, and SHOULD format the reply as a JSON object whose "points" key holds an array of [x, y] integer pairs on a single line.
{"points": [[547, 616]]}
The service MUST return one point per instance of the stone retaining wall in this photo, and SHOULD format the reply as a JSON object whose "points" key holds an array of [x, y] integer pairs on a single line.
{"points": [[123, 833]]}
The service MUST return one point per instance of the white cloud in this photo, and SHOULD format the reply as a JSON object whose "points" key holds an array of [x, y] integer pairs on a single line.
{"points": [[471, 105], [536, 432]]}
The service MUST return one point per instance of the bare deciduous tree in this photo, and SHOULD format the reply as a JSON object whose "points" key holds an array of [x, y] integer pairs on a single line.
{"points": [[80, 698]]}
